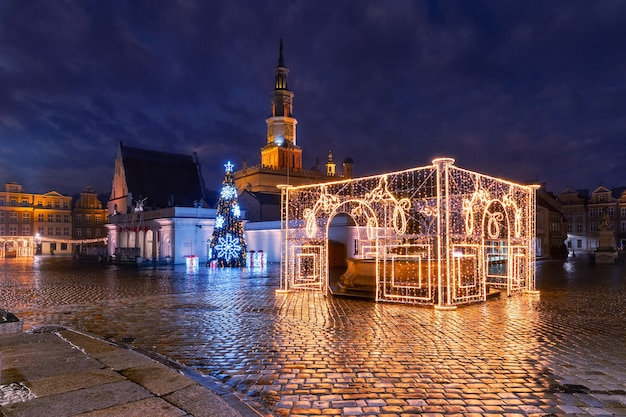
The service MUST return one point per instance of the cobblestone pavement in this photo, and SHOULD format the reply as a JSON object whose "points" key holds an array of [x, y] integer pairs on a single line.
{"points": [[562, 352]]}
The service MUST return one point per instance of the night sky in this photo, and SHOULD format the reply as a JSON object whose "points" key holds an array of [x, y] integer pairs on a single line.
{"points": [[517, 89]]}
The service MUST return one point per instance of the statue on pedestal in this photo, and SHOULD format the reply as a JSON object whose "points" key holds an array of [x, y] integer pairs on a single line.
{"points": [[606, 252]]}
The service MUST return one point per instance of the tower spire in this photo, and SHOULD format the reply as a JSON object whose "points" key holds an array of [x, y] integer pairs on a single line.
{"points": [[281, 59]]}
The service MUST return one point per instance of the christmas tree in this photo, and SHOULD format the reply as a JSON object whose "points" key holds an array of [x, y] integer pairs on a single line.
{"points": [[228, 245]]}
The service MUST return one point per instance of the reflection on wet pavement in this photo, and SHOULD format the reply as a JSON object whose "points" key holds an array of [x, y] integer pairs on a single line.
{"points": [[560, 352]]}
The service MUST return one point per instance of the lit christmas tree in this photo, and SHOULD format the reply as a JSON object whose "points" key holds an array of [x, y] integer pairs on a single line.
{"points": [[228, 245]]}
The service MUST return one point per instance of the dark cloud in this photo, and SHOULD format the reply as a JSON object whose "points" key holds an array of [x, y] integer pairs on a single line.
{"points": [[507, 88]]}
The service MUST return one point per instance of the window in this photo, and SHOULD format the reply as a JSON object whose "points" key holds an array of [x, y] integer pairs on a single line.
{"points": [[97, 218], [49, 231], [24, 202], [600, 211], [579, 216], [610, 211], [97, 232], [66, 231], [63, 246], [40, 217], [593, 227], [623, 211], [13, 216], [13, 230], [623, 226], [53, 246], [25, 217], [49, 204], [79, 218], [88, 232], [1, 201], [569, 244], [57, 204], [592, 212], [601, 198], [1, 230], [79, 232], [569, 228], [2, 216], [13, 202], [40, 230], [39, 204], [65, 205], [50, 217], [66, 218], [58, 230], [579, 228], [58, 217], [579, 243], [88, 218], [25, 230]]}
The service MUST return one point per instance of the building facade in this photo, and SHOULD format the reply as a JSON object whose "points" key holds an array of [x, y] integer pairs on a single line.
{"points": [[89, 216], [551, 227], [585, 213], [33, 223], [16, 221], [157, 210], [53, 223]]}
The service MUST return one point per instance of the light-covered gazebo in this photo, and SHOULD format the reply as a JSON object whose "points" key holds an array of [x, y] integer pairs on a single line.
{"points": [[435, 235]]}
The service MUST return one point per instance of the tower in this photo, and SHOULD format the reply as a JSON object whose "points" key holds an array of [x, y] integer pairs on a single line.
{"points": [[330, 165], [281, 150]]}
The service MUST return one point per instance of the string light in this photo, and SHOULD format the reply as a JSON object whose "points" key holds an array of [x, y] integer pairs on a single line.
{"points": [[436, 235], [228, 246]]}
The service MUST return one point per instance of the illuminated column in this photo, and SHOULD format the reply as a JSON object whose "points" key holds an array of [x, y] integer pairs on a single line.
{"points": [[444, 251], [532, 236]]}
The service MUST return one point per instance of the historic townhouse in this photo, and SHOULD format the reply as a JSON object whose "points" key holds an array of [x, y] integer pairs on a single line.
{"points": [[16, 221], [585, 214], [88, 218], [53, 223]]}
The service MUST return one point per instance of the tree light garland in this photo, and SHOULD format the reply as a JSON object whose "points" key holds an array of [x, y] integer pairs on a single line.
{"points": [[228, 245]]}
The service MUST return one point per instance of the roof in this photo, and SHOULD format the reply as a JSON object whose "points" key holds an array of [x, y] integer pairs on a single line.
{"points": [[165, 179], [265, 198]]}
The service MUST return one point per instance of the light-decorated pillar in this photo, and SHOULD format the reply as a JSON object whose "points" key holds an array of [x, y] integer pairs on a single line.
{"points": [[444, 250]]}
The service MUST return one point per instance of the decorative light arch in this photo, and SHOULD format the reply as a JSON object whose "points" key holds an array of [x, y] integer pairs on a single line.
{"points": [[433, 227]]}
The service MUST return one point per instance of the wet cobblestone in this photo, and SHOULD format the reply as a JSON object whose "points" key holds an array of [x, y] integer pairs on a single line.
{"points": [[562, 352]]}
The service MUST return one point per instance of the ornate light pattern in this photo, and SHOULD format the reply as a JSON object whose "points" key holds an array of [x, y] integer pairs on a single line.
{"points": [[436, 235], [228, 192], [228, 247], [219, 222]]}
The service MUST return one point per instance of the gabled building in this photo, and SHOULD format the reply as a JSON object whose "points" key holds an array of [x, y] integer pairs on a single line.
{"points": [[53, 223], [586, 212], [88, 218], [157, 211]]}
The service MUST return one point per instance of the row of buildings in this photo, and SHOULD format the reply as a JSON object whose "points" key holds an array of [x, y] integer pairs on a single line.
{"points": [[157, 208], [32, 223]]}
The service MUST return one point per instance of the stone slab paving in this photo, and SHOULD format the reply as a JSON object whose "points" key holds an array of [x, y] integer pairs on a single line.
{"points": [[65, 373], [562, 352]]}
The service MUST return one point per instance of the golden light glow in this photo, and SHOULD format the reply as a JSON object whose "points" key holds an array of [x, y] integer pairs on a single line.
{"points": [[437, 234]]}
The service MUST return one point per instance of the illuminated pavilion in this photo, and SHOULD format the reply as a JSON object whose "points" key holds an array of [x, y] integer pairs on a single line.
{"points": [[436, 235]]}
